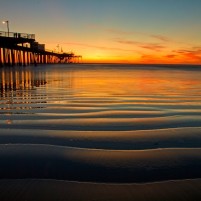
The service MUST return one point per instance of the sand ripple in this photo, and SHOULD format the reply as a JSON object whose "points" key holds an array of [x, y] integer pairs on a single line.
{"points": [[102, 125]]}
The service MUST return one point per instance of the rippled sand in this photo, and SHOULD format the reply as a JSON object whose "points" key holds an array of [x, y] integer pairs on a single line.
{"points": [[133, 131]]}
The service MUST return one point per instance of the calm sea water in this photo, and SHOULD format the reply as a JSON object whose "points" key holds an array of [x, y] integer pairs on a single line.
{"points": [[101, 123]]}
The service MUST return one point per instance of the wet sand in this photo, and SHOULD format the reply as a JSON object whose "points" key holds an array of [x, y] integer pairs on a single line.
{"points": [[189, 137], [100, 132], [21, 161], [40, 190]]}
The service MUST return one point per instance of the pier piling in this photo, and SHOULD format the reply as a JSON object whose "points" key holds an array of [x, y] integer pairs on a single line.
{"points": [[21, 49]]}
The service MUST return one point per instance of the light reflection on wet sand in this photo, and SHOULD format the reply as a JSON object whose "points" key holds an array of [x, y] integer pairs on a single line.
{"points": [[123, 111]]}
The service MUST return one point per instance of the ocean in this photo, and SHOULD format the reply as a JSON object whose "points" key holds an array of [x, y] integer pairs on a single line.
{"points": [[112, 129]]}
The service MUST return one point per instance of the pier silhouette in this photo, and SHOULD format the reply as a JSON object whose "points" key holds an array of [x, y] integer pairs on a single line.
{"points": [[22, 49]]}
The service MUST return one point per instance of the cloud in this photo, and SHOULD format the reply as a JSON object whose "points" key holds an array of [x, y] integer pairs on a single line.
{"points": [[153, 47], [171, 56], [123, 32], [197, 48], [196, 55], [98, 47], [161, 38], [194, 51], [119, 32], [149, 46], [127, 42], [151, 58], [193, 54]]}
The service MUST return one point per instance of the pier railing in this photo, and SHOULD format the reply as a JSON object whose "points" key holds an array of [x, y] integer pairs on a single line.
{"points": [[17, 35]]}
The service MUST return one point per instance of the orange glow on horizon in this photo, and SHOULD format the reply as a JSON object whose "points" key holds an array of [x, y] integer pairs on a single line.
{"points": [[113, 54]]}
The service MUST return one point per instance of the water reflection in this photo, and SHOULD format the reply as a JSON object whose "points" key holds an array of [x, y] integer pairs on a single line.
{"points": [[13, 79], [96, 82], [125, 82], [70, 89], [17, 91], [101, 107]]}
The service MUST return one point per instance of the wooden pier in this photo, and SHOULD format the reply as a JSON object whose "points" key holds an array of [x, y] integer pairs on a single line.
{"points": [[21, 49]]}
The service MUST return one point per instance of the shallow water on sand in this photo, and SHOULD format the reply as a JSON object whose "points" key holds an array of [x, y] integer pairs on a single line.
{"points": [[100, 123]]}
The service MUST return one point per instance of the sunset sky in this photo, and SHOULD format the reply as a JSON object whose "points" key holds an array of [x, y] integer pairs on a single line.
{"points": [[117, 31]]}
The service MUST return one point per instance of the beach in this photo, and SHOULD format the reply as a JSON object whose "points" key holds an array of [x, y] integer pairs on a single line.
{"points": [[100, 132]]}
